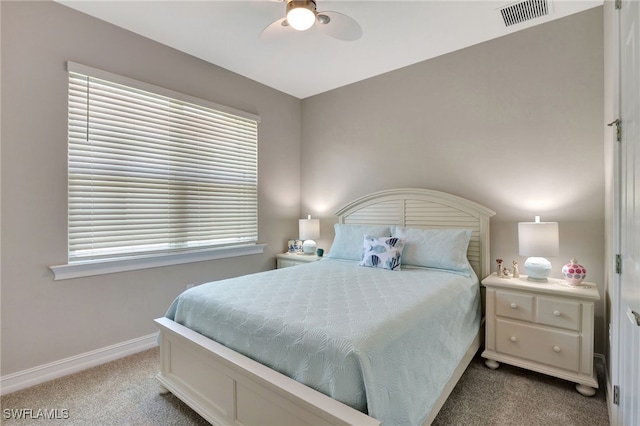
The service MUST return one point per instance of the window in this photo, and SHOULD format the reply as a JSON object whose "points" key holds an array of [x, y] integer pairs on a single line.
{"points": [[153, 171]]}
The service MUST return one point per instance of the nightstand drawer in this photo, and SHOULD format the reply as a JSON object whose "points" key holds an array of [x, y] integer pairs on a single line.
{"points": [[285, 260], [514, 305], [286, 263], [552, 347], [558, 313]]}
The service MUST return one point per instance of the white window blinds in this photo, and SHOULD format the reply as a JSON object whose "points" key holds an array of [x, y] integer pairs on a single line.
{"points": [[154, 171]]}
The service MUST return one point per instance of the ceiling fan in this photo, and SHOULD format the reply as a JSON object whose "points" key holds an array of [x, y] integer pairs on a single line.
{"points": [[301, 15]]}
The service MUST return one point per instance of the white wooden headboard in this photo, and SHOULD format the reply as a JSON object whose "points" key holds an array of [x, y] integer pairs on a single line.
{"points": [[425, 208]]}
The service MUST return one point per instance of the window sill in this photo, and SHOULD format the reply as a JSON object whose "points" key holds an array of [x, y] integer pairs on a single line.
{"points": [[100, 267]]}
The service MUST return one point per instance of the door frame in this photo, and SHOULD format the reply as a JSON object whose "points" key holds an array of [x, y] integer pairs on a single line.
{"points": [[611, 18]]}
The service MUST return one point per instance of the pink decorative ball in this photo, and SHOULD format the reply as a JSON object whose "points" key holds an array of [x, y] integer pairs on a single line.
{"points": [[573, 272]]}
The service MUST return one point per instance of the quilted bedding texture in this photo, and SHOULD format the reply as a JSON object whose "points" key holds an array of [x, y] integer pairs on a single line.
{"points": [[383, 342]]}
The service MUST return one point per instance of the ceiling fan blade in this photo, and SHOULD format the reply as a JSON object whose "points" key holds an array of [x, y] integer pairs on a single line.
{"points": [[275, 31], [339, 26]]}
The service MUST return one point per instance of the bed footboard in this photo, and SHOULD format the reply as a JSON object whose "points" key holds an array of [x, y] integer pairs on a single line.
{"points": [[227, 388]]}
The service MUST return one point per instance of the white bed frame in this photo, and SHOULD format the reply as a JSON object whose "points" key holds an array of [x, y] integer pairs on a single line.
{"points": [[227, 388]]}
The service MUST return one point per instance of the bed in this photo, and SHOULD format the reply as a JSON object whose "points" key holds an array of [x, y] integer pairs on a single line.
{"points": [[342, 364]]}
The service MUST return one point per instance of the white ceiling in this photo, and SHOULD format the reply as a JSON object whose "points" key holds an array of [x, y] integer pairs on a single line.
{"points": [[395, 34]]}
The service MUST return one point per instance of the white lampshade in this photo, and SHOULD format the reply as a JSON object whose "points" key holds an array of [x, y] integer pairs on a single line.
{"points": [[309, 230], [301, 15], [538, 240]]}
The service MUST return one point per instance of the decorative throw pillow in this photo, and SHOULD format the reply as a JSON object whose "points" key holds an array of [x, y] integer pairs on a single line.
{"points": [[382, 252], [436, 248], [348, 241]]}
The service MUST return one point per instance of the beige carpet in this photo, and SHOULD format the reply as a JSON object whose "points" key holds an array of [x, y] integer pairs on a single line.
{"points": [[511, 396], [124, 392]]}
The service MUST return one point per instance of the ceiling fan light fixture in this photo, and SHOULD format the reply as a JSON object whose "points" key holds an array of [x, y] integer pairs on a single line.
{"points": [[301, 14]]}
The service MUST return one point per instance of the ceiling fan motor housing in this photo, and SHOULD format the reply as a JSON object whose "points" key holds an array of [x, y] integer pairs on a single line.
{"points": [[306, 4]]}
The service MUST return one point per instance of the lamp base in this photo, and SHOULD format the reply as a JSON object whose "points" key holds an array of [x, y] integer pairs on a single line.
{"points": [[309, 247], [537, 269]]}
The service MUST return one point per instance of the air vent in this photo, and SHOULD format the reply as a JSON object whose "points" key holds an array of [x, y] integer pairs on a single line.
{"points": [[524, 11]]}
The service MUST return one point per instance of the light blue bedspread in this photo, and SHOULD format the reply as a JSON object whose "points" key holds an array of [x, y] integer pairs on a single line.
{"points": [[383, 342]]}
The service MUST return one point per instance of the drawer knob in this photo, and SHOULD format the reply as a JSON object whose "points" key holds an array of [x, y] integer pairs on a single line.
{"points": [[556, 313], [514, 306], [513, 339], [556, 348]]}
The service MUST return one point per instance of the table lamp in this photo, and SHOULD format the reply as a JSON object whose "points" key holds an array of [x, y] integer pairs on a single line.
{"points": [[309, 230], [538, 240]]}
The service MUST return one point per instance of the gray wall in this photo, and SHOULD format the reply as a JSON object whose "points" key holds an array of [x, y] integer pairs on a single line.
{"points": [[514, 124], [45, 320]]}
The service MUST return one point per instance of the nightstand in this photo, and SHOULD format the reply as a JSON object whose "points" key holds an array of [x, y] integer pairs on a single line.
{"points": [[542, 326], [285, 260]]}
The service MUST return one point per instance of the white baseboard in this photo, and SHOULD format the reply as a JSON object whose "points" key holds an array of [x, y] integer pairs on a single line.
{"points": [[602, 360], [43, 373]]}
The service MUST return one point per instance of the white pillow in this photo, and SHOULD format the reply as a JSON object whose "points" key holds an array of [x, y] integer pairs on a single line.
{"points": [[348, 241], [436, 248], [382, 252]]}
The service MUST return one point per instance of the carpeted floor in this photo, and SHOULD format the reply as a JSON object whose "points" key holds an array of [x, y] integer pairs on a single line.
{"points": [[511, 396], [124, 392]]}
